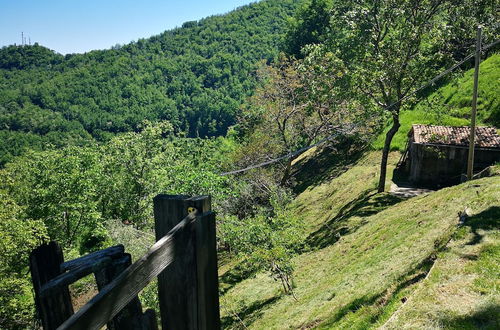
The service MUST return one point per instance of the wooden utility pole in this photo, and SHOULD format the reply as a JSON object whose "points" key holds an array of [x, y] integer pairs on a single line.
{"points": [[470, 163]]}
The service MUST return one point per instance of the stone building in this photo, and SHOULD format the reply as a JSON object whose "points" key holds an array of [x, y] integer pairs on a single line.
{"points": [[437, 155]]}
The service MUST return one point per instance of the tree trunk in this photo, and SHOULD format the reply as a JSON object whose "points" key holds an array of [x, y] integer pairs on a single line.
{"points": [[288, 170], [385, 152]]}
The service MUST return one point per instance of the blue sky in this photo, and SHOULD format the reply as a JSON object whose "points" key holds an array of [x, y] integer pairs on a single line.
{"points": [[77, 26]]}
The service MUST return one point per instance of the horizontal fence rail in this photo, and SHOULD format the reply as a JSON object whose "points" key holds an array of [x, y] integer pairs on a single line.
{"points": [[116, 295], [184, 259]]}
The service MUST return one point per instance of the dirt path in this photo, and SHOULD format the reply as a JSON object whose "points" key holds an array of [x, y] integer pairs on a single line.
{"points": [[406, 190]]}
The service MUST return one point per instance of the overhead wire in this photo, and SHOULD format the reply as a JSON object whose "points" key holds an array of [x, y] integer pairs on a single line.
{"points": [[338, 132]]}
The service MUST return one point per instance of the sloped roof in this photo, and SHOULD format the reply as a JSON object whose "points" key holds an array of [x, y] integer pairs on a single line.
{"points": [[486, 137]]}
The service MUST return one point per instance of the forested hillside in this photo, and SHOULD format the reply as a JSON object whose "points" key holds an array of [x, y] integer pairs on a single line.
{"points": [[195, 76], [227, 106]]}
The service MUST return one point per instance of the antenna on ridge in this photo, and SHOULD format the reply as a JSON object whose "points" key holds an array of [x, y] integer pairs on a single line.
{"points": [[22, 38]]}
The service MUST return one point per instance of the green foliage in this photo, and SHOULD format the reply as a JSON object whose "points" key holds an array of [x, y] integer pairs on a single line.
{"points": [[269, 239], [310, 25], [16, 302], [28, 57], [390, 47], [450, 105], [195, 76], [75, 190], [59, 188], [72, 195], [94, 239], [301, 102], [18, 237]]}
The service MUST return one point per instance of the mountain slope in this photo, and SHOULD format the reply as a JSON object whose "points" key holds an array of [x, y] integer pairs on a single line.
{"points": [[462, 290], [195, 76], [379, 248]]}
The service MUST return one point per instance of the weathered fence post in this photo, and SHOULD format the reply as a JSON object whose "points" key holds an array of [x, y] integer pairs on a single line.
{"points": [[45, 262], [188, 288], [208, 280]]}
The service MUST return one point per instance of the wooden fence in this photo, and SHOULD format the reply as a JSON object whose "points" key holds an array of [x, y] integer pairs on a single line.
{"points": [[184, 259]]}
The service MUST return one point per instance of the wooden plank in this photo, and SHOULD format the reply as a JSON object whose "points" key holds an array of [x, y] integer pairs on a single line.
{"points": [[115, 296], [44, 266], [207, 275], [149, 320], [65, 279], [130, 317], [177, 286], [114, 251]]}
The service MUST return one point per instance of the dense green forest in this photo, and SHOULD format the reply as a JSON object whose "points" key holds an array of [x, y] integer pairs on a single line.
{"points": [[87, 140], [195, 76]]}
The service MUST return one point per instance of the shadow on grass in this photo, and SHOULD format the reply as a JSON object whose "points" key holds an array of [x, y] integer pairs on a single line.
{"points": [[326, 164], [385, 297], [235, 275], [487, 220], [247, 315], [368, 203], [485, 318]]}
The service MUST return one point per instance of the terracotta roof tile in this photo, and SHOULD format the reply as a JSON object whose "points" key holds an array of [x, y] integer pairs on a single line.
{"points": [[486, 137]]}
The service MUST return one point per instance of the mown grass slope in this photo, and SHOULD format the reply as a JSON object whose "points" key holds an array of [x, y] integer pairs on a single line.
{"points": [[372, 252], [462, 290]]}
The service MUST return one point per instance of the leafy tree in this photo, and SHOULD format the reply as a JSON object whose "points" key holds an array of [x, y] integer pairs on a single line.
{"points": [[138, 166], [389, 47], [133, 165], [309, 26], [26, 57], [301, 102], [18, 237], [269, 240], [196, 77], [60, 189]]}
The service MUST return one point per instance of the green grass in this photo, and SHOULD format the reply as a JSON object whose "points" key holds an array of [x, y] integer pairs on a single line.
{"points": [[450, 105], [375, 260], [463, 288], [375, 253], [417, 116], [455, 98]]}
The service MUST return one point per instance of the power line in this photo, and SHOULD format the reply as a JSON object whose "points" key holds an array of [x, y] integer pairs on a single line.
{"points": [[289, 155], [442, 74], [301, 150]]}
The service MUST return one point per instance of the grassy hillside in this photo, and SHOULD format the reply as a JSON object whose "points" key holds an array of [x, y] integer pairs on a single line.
{"points": [[451, 104], [367, 254], [462, 290]]}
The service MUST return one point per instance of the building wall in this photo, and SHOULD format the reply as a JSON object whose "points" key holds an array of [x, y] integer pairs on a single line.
{"points": [[444, 165]]}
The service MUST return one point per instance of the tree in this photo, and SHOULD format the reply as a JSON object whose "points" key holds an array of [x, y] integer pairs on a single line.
{"points": [[134, 166], [60, 189], [309, 26], [300, 102], [18, 236], [269, 240], [400, 45], [390, 47]]}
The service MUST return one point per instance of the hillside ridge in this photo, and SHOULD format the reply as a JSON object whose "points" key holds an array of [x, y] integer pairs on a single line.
{"points": [[195, 76]]}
